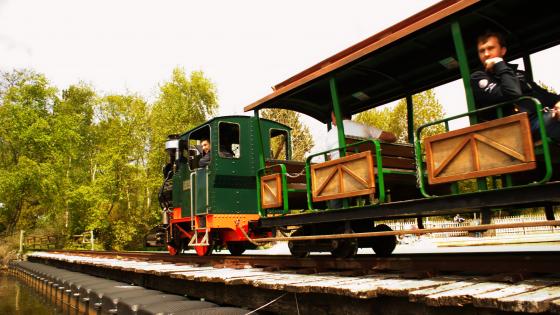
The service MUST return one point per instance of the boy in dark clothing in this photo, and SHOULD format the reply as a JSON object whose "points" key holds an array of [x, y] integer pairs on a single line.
{"points": [[500, 82]]}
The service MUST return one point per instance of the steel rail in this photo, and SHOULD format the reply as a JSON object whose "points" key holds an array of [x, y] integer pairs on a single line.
{"points": [[482, 263], [481, 227]]}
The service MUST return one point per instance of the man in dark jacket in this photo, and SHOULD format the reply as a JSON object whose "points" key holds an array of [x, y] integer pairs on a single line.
{"points": [[206, 157], [500, 82]]}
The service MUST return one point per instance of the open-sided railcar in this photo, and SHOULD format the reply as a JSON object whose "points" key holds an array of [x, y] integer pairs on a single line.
{"points": [[256, 196]]}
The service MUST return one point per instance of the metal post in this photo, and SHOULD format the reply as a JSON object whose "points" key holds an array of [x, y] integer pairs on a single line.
{"points": [[466, 75], [339, 124], [338, 116], [21, 232], [260, 139], [464, 68], [410, 118], [92, 240], [528, 67]]}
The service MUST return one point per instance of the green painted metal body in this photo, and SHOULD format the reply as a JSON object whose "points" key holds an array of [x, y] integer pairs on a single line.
{"points": [[338, 117], [226, 185]]}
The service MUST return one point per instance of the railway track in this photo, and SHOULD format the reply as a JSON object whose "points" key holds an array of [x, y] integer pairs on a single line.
{"points": [[472, 263]]}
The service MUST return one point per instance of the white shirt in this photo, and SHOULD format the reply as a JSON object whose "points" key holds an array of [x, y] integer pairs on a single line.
{"points": [[351, 129]]}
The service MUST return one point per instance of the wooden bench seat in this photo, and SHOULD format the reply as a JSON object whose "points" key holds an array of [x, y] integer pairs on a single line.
{"points": [[293, 168], [296, 182], [399, 167], [394, 155]]}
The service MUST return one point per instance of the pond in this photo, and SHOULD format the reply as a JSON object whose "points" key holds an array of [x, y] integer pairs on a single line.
{"points": [[18, 299]]}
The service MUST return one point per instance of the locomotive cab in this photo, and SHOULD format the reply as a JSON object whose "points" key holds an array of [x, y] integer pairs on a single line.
{"points": [[213, 196]]}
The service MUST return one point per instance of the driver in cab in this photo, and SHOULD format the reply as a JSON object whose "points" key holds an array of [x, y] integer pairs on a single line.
{"points": [[207, 157]]}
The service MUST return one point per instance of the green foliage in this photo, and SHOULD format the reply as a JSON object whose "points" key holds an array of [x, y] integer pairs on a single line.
{"points": [[302, 141], [183, 103], [27, 183], [426, 108], [75, 161], [548, 88]]}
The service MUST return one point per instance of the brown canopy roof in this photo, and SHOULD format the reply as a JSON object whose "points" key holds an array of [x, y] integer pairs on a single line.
{"points": [[413, 55]]}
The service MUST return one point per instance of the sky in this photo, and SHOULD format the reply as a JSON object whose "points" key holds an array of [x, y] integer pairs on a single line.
{"points": [[244, 47]]}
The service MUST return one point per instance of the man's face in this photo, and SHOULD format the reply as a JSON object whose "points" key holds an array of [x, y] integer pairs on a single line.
{"points": [[205, 146], [491, 48]]}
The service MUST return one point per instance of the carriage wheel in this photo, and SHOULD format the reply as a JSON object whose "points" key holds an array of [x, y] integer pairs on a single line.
{"points": [[383, 245], [345, 247], [236, 248], [296, 250]]}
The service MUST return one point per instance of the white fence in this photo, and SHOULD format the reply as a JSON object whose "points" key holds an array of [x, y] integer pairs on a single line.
{"points": [[438, 222]]}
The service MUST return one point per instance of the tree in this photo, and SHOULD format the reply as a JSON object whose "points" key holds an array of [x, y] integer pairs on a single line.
{"points": [[302, 141], [27, 186], [426, 109], [85, 162], [73, 135], [120, 212], [182, 104]]}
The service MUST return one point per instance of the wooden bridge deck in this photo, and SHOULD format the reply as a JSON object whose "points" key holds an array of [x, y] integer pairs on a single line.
{"points": [[330, 292]]}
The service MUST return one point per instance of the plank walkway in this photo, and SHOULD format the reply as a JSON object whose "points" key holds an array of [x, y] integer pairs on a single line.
{"points": [[524, 296]]}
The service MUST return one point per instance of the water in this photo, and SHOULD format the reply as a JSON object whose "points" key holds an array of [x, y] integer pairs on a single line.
{"points": [[18, 299]]}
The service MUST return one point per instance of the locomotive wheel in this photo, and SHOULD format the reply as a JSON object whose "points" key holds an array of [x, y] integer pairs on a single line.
{"points": [[174, 247], [295, 250], [383, 245], [184, 245], [205, 250], [236, 248], [346, 247], [172, 250]]}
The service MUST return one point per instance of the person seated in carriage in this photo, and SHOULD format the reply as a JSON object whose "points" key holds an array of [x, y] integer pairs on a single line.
{"points": [[501, 81]]}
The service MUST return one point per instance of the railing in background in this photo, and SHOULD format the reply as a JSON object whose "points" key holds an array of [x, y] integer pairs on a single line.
{"points": [[46, 242], [42, 242], [436, 222], [85, 238]]}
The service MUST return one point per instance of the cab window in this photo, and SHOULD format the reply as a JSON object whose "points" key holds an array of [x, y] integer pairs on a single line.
{"points": [[193, 151], [278, 144], [228, 140]]}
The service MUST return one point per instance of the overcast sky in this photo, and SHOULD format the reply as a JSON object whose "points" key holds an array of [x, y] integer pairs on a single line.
{"points": [[244, 47]]}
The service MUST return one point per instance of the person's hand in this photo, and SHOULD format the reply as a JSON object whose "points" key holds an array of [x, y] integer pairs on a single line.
{"points": [[489, 63], [556, 111]]}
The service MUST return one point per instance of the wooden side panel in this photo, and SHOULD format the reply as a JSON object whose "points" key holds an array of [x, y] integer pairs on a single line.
{"points": [[345, 177], [496, 147], [271, 191]]}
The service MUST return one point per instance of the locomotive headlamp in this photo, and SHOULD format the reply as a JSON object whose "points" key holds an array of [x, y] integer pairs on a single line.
{"points": [[172, 144]]}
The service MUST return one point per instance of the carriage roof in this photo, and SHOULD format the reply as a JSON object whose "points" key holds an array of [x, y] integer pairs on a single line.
{"points": [[413, 55]]}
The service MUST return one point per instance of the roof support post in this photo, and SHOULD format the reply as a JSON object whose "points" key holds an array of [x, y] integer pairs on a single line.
{"points": [[466, 75], [259, 139], [338, 116], [464, 68], [528, 67], [410, 118]]}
